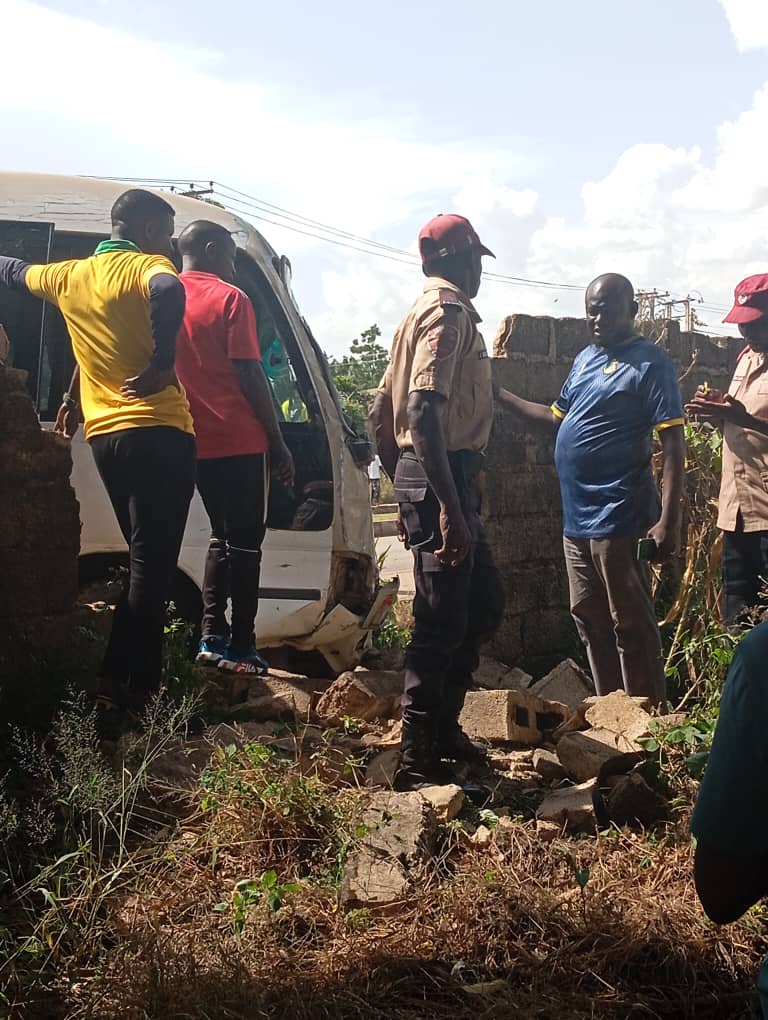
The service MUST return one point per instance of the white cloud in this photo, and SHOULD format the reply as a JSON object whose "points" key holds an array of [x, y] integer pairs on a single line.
{"points": [[185, 118], [749, 22]]}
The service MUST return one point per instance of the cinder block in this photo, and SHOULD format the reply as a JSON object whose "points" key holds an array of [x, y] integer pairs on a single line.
{"points": [[523, 334], [571, 336]]}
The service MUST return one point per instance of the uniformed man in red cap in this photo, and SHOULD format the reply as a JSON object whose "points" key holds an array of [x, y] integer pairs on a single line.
{"points": [[432, 418], [742, 413]]}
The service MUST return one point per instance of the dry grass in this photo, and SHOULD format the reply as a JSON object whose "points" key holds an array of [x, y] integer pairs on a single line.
{"points": [[634, 943]]}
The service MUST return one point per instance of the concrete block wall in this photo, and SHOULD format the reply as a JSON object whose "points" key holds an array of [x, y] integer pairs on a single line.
{"points": [[532, 356], [39, 515]]}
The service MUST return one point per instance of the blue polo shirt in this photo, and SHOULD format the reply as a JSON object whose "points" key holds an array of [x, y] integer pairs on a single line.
{"points": [[612, 400]]}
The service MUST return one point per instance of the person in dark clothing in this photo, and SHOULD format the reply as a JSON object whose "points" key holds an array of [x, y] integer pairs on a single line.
{"points": [[432, 419], [123, 307], [238, 437]]}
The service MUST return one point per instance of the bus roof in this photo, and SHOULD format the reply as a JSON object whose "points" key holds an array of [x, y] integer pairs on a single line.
{"points": [[81, 205]]}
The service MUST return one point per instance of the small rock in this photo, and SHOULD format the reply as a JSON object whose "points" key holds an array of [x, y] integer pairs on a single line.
{"points": [[566, 683], [494, 675], [365, 694], [390, 737], [447, 801], [547, 831], [619, 714], [596, 754], [503, 761], [630, 799], [481, 837], [572, 809], [381, 769], [487, 989], [547, 764]]}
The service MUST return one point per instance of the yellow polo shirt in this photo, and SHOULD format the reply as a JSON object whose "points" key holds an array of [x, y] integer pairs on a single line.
{"points": [[105, 303]]}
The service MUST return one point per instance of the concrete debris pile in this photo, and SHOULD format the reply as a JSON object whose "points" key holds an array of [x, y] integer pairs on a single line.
{"points": [[557, 757]]}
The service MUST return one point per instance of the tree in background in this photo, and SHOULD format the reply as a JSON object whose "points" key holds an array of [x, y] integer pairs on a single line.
{"points": [[358, 373]]}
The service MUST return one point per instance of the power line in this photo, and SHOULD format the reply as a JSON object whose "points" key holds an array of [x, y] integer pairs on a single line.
{"points": [[240, 203]]}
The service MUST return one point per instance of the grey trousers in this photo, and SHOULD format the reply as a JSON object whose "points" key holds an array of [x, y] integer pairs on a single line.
{"points": [[613, 610]]}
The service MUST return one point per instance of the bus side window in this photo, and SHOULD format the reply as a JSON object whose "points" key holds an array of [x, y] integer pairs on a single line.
{"points": [[22, 315]]}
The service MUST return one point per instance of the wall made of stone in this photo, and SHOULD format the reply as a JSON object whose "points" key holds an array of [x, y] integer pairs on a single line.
{"points": [[39, 547], [532, 358]]}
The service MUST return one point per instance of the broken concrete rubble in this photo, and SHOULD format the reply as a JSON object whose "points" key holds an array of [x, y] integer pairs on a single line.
{"points": [[566, 683], [389, 737], [494, 675], [275, 697], [447, 801], [619, 714], [572, 809], [399, 836], [481, 837], [547, 765], [596, 753], [515, 717], [365, 694]]}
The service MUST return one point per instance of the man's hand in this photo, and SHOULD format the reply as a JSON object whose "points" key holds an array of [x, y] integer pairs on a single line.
{"points": [[152, 380], [281, 463], [456, 538], [67, 422], [401, 532], [665, 538]]}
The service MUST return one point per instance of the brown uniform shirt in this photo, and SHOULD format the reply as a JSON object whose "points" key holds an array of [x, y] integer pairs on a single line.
{"points": [[744, 484], [438, 347]]}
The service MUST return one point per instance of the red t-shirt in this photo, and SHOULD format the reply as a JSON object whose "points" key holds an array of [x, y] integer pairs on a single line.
{"points": [[219, 327]]}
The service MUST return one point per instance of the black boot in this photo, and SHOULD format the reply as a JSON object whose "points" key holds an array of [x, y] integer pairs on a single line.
{"points": [[453, 743], [420, 764]]}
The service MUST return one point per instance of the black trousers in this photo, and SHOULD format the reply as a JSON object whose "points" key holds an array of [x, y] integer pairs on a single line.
{"points": [[455, 609], [745, 572], [233, 490], [149, 475]]}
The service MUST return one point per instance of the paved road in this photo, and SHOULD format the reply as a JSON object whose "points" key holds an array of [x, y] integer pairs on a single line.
{"points": [[398, 561]]}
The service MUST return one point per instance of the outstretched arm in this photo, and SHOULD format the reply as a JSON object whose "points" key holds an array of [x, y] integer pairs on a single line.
{"points": [[537, 416], [13, 272]]}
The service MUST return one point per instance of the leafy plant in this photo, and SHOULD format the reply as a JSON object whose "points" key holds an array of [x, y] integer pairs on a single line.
{"points": [[391, 634], [251, 892]]}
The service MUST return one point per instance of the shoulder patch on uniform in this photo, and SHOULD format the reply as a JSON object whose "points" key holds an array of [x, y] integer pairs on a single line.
{"points": [[449, 298], [442, 339]]}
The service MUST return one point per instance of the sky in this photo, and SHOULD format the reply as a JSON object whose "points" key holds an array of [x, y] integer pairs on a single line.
{"points": [[579, 138]]}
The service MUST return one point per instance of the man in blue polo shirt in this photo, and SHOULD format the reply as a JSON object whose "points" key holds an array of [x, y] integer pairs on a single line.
{"points": [[619, 390]]}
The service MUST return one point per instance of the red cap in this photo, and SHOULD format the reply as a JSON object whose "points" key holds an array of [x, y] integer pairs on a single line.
{"points": [[750, 300], [449, 234]]}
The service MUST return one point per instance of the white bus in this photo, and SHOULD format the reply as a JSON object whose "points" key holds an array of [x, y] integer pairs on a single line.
{"points": [[320, 586]]}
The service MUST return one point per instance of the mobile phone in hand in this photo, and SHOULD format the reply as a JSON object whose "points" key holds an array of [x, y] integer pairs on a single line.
{"points": [[646, 549]]}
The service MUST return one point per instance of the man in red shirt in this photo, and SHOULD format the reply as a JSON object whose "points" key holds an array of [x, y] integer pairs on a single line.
{"points": [[218, 360]]}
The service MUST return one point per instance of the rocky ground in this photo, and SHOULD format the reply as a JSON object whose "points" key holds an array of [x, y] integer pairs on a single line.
{"points": [[269, 870]]}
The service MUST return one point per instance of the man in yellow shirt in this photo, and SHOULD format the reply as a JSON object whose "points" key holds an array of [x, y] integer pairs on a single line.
{"points": [[123, 307]]}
